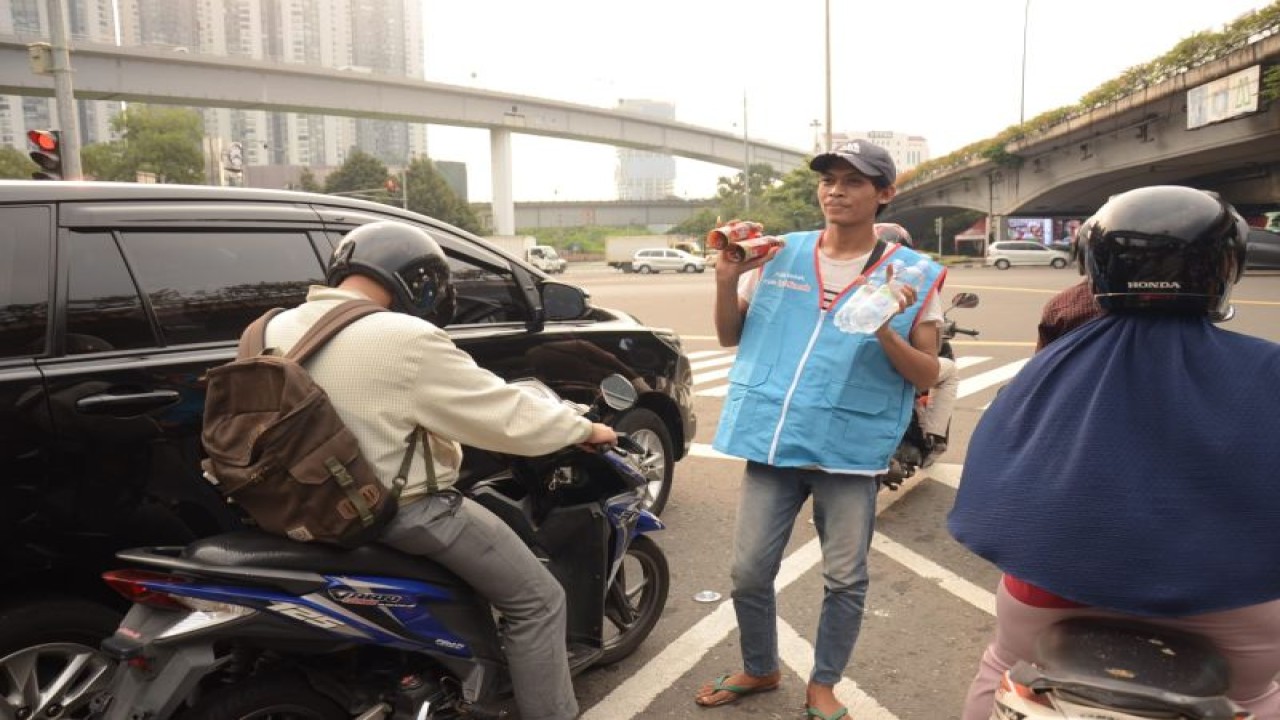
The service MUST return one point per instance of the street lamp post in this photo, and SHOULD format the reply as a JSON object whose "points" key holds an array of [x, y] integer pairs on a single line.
{"points": [[1022, 96], [827, 32]]}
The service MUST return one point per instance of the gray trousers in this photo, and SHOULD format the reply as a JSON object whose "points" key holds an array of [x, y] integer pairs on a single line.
{"points": [[472, 542]]}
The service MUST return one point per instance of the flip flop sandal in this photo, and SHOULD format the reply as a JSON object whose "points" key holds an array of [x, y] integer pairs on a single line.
{"points": [[736, 692], [817, 714]]}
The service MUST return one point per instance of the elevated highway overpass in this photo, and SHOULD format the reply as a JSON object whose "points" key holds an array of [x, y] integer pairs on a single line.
{"points": [[1073, 167], [107, 72]]}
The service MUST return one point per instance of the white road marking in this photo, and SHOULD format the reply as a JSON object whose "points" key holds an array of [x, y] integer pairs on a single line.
{"points": [[981, 381], [631, 698], [724, 359], [965, 361], [710, 375], [797, 653], [717, 391], [929, 570]]}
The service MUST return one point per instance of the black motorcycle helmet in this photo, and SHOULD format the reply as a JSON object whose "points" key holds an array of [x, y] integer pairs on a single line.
{"points": [[1164, 248], [405, 260]]}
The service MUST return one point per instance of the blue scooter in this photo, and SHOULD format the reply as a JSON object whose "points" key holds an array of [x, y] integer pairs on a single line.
{"points": [[253, 626]]}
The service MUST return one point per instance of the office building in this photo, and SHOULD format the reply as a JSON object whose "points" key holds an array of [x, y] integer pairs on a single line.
{"points": [[644, 175], [371, 36], [907, 151]]}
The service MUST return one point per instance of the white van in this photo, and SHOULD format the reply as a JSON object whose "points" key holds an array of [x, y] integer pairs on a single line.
{"points": [[1007, 253]]}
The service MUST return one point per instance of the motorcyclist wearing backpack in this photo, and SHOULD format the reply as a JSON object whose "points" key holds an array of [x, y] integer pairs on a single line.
{"points": [[1157, 498], [389, 374], [934, 412]]}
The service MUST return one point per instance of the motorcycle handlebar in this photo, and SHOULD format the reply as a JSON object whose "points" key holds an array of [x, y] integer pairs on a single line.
{"points": [[965, 331]]}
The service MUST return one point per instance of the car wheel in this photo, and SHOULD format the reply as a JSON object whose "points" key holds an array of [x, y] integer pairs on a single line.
{"points": [[701, 269], [647, 429], [1002, 264], [644, 269], [1058, 263], [49, 656], [688, 268]]}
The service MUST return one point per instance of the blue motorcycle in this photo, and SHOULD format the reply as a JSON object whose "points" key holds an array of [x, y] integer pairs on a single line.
{"points": [[253, 626]]}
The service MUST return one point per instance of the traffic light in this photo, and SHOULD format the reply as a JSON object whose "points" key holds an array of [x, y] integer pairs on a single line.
{"points": [[47, 153]]}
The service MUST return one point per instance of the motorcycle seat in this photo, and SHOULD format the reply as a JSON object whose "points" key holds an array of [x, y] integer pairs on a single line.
{"points": [[1105, 651], [253, 548]]}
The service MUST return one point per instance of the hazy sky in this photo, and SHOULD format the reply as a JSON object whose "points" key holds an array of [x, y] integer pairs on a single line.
{"points": [[947, 70]]}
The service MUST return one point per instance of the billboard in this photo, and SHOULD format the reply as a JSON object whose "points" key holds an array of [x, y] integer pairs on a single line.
{"points": [[1224, 98]]}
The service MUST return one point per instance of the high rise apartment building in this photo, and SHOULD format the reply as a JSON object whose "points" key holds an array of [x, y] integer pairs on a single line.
{"points": [[370, 36], [90, 20], [644, 175], [907, 151]]}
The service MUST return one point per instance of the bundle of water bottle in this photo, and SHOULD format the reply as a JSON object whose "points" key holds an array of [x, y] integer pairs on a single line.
{"points": [[877, 300]]}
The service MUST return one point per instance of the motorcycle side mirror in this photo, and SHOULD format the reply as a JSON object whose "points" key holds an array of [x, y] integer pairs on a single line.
{"points": [[618, 392], [965, 300]]}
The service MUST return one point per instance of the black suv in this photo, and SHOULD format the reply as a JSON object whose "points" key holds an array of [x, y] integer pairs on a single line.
{"points": [[114, 301]]}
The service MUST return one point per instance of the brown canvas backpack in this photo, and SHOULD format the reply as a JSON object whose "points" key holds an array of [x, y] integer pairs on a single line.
{"points": [[277, 447]]}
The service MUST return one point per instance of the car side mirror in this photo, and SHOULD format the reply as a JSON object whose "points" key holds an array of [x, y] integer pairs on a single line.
{"points": [[563, 302]]}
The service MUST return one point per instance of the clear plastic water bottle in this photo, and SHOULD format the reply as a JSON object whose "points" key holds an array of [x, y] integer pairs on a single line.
{"points": [[873, 304]]}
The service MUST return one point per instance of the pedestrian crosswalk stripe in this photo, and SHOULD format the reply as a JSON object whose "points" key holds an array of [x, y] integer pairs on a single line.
{"points": [[710, 375], [981, 381], [724, 359]]}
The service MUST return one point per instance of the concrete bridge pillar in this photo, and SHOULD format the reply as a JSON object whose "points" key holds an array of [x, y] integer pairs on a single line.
{"points": [[504, 206], [995, 229]]}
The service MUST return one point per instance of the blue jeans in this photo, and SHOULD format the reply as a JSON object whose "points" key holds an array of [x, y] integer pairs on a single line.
{"points": [[844, 511]]}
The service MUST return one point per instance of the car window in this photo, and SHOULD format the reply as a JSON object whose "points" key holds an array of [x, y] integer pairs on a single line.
{"points": [[104, 311], [485, 294], [208, 286], [24, 280]]}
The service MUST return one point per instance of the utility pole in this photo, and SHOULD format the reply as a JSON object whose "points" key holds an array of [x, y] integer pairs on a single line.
{"points": [[68, 120]]}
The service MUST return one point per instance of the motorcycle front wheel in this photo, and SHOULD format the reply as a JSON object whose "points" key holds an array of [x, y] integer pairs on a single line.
{"points": [[635, 600], [279, 697]]}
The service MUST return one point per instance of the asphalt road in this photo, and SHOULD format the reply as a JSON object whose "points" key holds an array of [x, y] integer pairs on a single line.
{"points": [[930, 605]]}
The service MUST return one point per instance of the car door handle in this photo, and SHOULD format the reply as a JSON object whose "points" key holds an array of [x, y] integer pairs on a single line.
{"points": [[126, 404]]}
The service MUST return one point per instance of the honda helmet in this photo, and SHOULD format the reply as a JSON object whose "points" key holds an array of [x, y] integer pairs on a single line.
{"points": [[893, 232], [405, 260], [1164, 248]]}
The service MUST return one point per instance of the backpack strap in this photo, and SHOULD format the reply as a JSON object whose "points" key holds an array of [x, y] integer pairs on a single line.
{"points": [[874, 257], [253, 339], [327, 326], [402, 477]]}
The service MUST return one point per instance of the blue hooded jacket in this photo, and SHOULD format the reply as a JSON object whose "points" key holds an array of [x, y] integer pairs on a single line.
{"points": [[1134, 465]]}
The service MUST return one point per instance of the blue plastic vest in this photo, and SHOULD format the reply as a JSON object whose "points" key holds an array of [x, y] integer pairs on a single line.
{"points": [[802, 393]]}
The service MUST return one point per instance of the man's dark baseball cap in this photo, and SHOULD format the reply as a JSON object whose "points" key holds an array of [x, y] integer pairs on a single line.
{"points": [[865, 157]]}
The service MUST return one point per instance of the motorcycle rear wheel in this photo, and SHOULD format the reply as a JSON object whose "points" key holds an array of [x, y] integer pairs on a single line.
{"points": [[635, 600], [276, 697]]}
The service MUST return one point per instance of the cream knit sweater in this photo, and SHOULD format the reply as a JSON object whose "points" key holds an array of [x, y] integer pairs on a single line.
{"points": [[388, 373]]}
